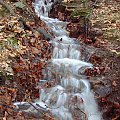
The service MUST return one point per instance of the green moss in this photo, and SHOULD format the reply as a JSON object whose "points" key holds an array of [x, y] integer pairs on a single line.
{"points": [[11, 42], [3, 11], [85, 13]]}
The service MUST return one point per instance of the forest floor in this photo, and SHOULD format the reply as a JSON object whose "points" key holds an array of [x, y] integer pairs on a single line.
{"points": [[107, 18], [24, 52], [23, 56]]}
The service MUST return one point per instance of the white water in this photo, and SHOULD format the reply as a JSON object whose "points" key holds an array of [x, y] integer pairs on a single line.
{"points": [[70, 97]]}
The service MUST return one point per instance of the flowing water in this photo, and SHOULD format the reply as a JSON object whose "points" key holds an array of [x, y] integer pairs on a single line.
{"points": [[70, 96]]}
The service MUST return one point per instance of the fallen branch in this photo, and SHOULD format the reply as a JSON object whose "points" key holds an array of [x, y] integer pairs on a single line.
{"points": [[36, 108], [39, 110]]}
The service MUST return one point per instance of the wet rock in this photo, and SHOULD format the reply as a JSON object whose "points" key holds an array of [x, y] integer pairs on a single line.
{"points": [[30, 109], [103, 91], [96, 32], [46, 35]]}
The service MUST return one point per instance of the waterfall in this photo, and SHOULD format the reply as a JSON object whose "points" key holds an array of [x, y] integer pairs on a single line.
{"points": [[70, 96]]}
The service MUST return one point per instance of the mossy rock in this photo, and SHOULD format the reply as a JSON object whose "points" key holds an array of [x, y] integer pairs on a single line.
{"points": [[85, 13], [3, 11], [62, 8]]}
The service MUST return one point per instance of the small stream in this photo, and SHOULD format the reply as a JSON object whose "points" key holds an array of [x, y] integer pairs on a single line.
{"points": [[70, 96]]}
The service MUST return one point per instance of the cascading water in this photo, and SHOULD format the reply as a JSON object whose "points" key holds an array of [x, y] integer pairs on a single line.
{"points": [[70, 97]]}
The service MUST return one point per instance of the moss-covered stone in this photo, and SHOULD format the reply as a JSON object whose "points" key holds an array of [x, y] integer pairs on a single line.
{"points": [[85, 13], [3, 11]]}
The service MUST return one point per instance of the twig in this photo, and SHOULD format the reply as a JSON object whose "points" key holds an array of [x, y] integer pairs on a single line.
{"points": [[36, 108], [39, 110]]}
